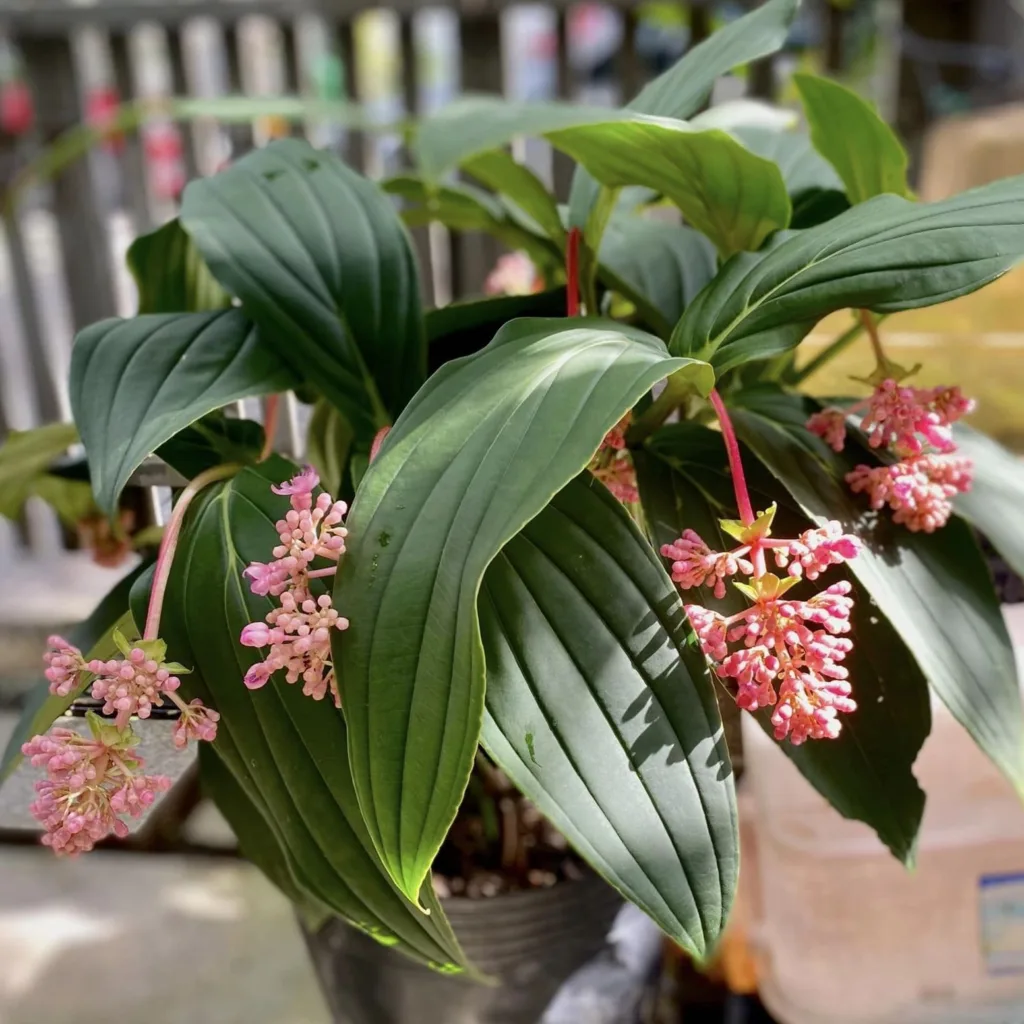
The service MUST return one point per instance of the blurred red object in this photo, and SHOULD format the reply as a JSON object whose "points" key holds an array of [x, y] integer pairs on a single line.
{"points": [[17, 108], [165, 158], [100, 111]]}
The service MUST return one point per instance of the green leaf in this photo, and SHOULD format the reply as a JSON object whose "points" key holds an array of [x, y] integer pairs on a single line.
{"points": [[662, 265], [473, 125], [724, 190], [477, 454], [328, 442], [815, 206], [25, 456], [603, 716], [866, 774], [320, 261], [212, 441], [885, 255], [499, 171], [465, 208], [994, 503], [72, 500], [684, 88], [934, 589], [801, 166], [94, 637], [136, 383], [287, 751], [253, 828], [171, 275], [850, 134]]}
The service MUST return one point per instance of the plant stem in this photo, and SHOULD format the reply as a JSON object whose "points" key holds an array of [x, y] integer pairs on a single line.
{"points": [[827, 354], [271, 410], [876, 343], [732, 449], [572, 273], [169, 543]]}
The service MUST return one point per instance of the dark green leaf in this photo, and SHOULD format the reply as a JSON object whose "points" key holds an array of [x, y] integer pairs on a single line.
{"points": [[286, 750], [476, 455], [462, 328], [685, 87], [850, 134], [867, 773], [136, 383], [171, 275], [995, 501], [885, 255], [934, 589], [320, 260], [603, 716], [664, 265], [211, 441], [94, 637], [814, 206], [251, 824], [328, 442], [724, 190], [500, 172]]}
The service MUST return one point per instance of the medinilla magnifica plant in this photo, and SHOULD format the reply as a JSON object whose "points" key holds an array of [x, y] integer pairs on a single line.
{"points": [[560, 526]]}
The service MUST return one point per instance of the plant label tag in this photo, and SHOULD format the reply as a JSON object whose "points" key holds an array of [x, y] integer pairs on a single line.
{"points": [[1001, 911]]}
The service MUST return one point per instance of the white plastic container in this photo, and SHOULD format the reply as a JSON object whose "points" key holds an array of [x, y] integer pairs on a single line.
{"points": [[845, 935]]}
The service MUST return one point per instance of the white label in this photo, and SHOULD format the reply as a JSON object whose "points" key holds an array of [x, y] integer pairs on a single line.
{"points": [[1001, 908]]}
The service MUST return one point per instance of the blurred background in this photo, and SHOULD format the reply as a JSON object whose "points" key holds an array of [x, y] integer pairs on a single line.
{"points": [[949, 74]]}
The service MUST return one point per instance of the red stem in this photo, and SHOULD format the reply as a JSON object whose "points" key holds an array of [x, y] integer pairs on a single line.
{"points": [[732, 448], [271, 409], [572, 273]]}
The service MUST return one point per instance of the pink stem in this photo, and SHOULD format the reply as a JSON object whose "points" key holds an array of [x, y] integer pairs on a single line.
{"points": [[271, 408], [739, 481], [572, 273], [317, 574], [169, 542]]}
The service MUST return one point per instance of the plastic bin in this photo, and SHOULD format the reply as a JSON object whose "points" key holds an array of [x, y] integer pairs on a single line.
{"points": [[845, 935]]}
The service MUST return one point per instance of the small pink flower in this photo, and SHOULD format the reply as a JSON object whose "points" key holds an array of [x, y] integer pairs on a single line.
{"points": [[91, 783], [815, 551], [513, 274], [694, 563], [619, 476], [304, 482], [132, 686], [615, 439], [64, 666], [918, 490], [950, 403], [197, 722], [710, 628], [830, 426], [257, 676]]}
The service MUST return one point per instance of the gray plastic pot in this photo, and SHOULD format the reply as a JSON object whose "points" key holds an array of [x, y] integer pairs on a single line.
{"points": [[529, 941]]}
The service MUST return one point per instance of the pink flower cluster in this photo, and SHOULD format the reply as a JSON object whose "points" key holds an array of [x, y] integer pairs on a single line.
{"points": [[915, 425], [514, 274], [785, 653], [90, 785], [298, 633], [613, 465]]}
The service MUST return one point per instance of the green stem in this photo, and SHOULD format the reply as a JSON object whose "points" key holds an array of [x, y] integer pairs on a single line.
{"points": [[671, 397], [827, 354]]}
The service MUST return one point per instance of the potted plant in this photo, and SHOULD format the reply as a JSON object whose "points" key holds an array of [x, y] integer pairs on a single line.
{"points": [[541, 547]]}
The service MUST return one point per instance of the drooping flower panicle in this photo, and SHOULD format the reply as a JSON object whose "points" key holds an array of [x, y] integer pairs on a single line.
{"points": [[613, 465], [91, 784], [915, 425], [298, 632]]}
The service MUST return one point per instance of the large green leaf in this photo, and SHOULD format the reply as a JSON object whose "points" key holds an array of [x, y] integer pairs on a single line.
{"points": [[603, 716], [685, 87], [995, 501], [886, 255], [321, 262], [255, 834], [171, 275], [934, 589], [866, 774], [287, 751], [499, 171], [211, 441], [94, 637], [724, 190], [663, 265], [850, 134], [135, 383], [476, 455]]}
